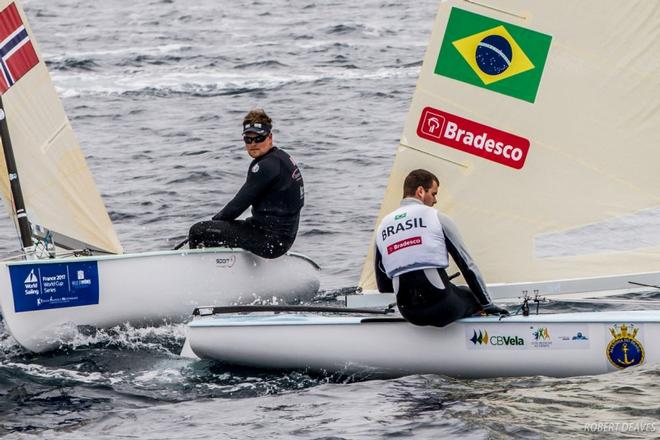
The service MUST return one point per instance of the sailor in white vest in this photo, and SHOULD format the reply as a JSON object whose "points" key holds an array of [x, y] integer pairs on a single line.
{"points": [[413, 245]]}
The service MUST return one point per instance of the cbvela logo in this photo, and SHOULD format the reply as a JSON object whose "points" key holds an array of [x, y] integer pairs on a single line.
{"points": [[482, 338], [414, 241], [473, 138]]}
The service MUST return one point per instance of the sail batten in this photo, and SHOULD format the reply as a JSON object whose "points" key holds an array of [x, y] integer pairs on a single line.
{"points": [[579, 193]]}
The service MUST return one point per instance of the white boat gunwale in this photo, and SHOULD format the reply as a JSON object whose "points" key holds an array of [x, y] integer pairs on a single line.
{"points": [[645, 316], [102, 257]]}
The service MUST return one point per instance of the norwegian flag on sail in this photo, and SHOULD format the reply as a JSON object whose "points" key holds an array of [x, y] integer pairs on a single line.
{"points": [[17, 55]]}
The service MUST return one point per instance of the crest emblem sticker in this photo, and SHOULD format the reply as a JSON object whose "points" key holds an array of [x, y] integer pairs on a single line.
{"points": [[624, 350]]}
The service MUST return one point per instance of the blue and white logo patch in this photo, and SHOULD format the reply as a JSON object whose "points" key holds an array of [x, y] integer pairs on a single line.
{"points": [[54, 285], [255, 168]]}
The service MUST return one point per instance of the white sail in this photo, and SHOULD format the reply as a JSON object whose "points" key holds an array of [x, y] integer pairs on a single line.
{"points": [[58, 188], [579, 194]]}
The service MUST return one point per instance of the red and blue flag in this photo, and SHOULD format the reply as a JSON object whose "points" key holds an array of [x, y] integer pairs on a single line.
{"points": [[17, 55]]}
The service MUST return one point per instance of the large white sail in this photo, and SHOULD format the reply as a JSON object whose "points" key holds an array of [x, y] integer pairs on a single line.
{"points": [[58, 188], [571, 90]]}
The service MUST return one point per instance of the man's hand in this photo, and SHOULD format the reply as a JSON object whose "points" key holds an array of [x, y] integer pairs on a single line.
{"points": [[492, 309]]}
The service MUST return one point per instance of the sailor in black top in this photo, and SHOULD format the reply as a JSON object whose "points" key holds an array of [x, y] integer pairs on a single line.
{"points": [[274, 188]]}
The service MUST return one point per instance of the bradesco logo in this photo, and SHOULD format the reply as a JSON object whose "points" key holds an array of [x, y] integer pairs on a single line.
{"points": [[414, 241], [473, 138]]}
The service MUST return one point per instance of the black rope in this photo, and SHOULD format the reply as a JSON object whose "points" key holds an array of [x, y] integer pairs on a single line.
{"points": [[644, 285]]}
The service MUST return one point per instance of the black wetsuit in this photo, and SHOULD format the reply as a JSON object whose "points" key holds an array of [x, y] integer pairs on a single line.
{"points": [[422, 303], [274, 188]]}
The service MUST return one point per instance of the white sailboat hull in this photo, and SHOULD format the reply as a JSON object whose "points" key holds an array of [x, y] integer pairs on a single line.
{"points": [[553, 345], [43, 302]]}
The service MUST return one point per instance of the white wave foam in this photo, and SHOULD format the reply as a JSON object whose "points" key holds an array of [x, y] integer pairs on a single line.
{"points": [[8, 345], [47, 372], [151, 50], [206, 81], [132, 338]]}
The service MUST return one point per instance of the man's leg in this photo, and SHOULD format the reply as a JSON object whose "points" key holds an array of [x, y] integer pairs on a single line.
{"points": [[222, 233], [237, 234], [424, 302], [464, 295], [415, 298]]}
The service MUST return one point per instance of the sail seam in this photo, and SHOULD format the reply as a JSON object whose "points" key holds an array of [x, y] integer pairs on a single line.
{"points": [[52, 139], [419, 150], [513, 14]]}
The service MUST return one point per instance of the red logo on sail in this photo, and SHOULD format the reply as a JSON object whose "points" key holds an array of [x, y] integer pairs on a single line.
{"points": [[472, 137], [17, 55]]}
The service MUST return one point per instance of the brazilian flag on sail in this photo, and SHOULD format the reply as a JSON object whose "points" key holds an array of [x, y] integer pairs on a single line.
{"points": [[492, 54]]}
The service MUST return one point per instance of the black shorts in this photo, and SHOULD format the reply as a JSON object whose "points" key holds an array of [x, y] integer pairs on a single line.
{"points": [[422, 303], [242, 234]]}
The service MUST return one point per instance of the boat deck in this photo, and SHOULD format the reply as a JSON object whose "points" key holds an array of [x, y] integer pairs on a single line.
{"points": [[645, 316]]}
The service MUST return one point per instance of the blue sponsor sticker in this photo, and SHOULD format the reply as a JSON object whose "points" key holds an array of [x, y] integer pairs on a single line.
{"points": [[54, 286]]}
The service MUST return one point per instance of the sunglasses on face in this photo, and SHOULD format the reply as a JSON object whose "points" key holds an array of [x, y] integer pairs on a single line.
{"points": [[256, 139]]}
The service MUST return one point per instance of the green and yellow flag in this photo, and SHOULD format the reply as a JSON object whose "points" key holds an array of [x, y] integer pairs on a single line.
{"points": [[492, 54]]}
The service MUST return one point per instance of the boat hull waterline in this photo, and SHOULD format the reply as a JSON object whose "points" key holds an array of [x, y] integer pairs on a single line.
{"points": [[559, 345], [44, 302]]}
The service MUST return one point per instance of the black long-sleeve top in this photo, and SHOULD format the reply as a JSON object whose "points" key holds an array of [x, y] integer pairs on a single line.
{"points": [[275, 190]]}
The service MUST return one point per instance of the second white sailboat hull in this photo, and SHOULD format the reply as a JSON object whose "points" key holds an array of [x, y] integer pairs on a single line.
{"points": [[44, 302], [552, 345]]}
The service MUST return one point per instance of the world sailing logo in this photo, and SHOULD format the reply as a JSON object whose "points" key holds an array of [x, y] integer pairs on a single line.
{"points": [[17, 55], [31, 284], [31, 278], [492, 54]]}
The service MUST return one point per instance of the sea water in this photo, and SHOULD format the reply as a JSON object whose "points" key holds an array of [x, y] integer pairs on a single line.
{"points": [[156, 91]]}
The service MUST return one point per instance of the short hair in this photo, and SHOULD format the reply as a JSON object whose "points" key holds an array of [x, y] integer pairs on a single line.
{"points": [[417, 178], [257, 116]]}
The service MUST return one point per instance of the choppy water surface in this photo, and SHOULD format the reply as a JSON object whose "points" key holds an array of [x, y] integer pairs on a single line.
{"points": [[156, 91]]}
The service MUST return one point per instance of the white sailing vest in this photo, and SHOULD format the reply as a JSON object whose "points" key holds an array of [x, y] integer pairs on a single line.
{"points": [[411, 238]]}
